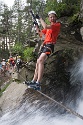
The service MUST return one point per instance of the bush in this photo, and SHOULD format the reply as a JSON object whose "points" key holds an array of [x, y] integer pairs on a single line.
{"points": [[28, 53], [18, 48]]}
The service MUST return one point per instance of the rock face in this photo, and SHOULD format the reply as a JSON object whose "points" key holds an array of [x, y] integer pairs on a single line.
{"points": [[81, 10], [12, 96], [81, 32], [56, 78], [81, 18]]}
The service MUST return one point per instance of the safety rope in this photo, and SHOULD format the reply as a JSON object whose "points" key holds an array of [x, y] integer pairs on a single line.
{"points": [[60, 104]]}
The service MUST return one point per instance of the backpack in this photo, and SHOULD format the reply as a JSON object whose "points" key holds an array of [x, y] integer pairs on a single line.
{"points": [[18, 60]]}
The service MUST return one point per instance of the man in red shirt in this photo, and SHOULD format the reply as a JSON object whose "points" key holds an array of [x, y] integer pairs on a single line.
{"points": [[51, 33]]}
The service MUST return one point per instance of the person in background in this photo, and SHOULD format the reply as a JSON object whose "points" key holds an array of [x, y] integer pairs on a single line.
{"points": [[12, 63], [18, 63], [51, 33], [3, 63], [0, 68]]}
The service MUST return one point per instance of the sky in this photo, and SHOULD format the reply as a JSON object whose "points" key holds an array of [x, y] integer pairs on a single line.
{"points": [[9, 2]]}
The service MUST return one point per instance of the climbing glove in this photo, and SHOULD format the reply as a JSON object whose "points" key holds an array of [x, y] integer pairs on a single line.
{"points": [[37, 16], [35, 23]]}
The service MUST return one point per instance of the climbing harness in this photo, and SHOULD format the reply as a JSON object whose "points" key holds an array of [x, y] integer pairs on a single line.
{"points": [[58, 103]]}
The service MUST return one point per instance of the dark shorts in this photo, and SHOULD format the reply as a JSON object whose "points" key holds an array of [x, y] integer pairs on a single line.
{"points": [[48, 49]]}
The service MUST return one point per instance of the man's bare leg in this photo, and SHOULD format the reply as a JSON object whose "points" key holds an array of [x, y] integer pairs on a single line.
{"points": [[36, 73], [41, 61]]}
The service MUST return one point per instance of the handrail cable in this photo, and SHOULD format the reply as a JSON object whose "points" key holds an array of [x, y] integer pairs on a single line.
{"points": [[60, 104]]}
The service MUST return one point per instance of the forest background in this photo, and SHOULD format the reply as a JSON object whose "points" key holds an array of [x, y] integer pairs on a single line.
{"points": [[17, 31]]}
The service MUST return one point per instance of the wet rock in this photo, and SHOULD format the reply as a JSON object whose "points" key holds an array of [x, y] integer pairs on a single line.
{"points": [[81, 32]]}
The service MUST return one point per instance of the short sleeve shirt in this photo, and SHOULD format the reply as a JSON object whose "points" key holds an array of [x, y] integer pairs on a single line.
{"points": [[52, 33]]}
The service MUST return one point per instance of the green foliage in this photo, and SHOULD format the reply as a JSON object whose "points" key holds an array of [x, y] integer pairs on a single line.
{"points": [[25, 53], [61, 7], [74, 18], [18, 48], [64, 8], [50, 5], [28, 55], [72, 2]]}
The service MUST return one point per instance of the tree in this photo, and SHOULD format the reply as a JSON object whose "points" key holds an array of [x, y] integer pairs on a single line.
{"points": [[17, 20], [5, 26], [63, 7], [18, 48], [36, 6]]}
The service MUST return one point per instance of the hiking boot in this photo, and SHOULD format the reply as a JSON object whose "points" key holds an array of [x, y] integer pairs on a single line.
{"points": [[35, 86], [32, 83], [38, 87]]}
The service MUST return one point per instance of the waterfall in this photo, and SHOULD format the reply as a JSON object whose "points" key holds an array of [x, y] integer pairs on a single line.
{"points": [[40, 112], [27, 115]]}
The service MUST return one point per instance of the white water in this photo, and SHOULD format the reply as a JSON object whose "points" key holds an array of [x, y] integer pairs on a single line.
{"points": [[29, 117], [28, 114], [77, 73]]}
